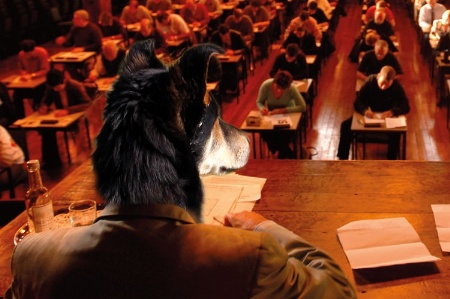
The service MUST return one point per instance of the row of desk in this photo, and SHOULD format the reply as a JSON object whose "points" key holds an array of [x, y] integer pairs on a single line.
{"points": [[313, 199]]}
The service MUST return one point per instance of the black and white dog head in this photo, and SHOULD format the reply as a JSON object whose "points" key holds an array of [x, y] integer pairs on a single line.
{"points": [[162, 129]]}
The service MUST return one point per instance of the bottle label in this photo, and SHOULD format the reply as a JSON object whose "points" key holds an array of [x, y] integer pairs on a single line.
{"points": [[43, 217]]}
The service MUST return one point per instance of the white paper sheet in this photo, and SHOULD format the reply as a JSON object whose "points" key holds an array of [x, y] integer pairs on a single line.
{"points": [[278, 120], [395, 122], [382, 242], [442, 220], [229, 193]]}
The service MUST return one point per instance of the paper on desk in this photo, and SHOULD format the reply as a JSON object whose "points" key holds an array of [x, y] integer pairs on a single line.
{"points": [[396, 122], [218, 200], [279, 120], [442, 220], [229, 193], [252, 186], [382, 242], [375, 120]]}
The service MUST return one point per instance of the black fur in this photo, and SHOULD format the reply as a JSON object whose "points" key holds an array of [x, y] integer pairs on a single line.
{"points": [[146, 151]]}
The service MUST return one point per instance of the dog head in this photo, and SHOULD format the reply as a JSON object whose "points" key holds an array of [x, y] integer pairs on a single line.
{"points": [[162, 129]]}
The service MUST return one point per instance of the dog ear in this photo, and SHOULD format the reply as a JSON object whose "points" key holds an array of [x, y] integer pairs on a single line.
{"points": [[141, 56], [199, 65]]}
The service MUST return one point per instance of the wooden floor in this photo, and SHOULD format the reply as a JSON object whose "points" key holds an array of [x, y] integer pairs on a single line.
{"points": [[427, 138]]}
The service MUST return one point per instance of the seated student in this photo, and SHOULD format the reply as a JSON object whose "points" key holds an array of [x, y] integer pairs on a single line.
{"points": [[111, 26], [215, 10], [382, 94], [109, 62], [133, 13], [324, 6], [67, 96], [381, 27], [279, 96], [84, 35], [370, 13], [154, 6], [196, 15], [147, 31], [317, 13], [32, 63], [304, 40], [369, 44], [233, 43], [292, 61], [241, 23], [11, 155], [172, 26], [257, 13], [374, 60], [441, 32], [428, 13], [311, 25]]}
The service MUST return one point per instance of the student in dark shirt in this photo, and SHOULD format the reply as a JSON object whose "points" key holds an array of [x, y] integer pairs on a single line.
{"points": [[292, 61], [381, 94], [317, 13], [111, 27], [148, 31], [374, 60], [305, 41]]}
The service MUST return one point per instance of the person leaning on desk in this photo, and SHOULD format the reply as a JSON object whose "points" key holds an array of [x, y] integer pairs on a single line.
{"points": [[66, 96], [279, 96], [380, 96]]}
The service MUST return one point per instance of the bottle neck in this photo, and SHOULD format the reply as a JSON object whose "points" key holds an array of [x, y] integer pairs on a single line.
{"points": [[35, 179]]}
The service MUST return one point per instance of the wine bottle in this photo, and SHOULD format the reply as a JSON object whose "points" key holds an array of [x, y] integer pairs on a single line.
{"points": [[38, 201]]}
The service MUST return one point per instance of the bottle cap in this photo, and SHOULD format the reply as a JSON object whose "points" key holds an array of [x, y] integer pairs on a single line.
{"points": [[33, 165]]}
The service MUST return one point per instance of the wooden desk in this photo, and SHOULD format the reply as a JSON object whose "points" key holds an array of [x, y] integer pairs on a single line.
{"points": [[295, 130], [64, 124], [313, 199], [71, 57], [230, 65], [359, 128], [33, 88]]}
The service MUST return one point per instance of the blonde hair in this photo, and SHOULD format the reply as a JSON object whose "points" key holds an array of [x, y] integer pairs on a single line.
{"points": [[82, 14]]}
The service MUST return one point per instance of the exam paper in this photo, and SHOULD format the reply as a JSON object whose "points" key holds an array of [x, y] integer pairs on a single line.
{"points": [[395, 122], [382, 242], [279, 120], [229, 193], [442, 220]]}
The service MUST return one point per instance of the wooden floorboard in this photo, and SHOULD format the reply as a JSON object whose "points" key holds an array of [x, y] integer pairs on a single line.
{"points": [[427, 137]]}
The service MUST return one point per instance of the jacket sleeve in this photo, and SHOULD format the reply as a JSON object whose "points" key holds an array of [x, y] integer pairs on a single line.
{"points": [[290, 267]]}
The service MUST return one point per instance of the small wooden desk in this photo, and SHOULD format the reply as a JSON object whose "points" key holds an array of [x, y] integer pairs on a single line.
{"points": [[231, 64], [71, 57], [33, 122], [359, 128], [295, 130], [30, 88], [313, 199]]}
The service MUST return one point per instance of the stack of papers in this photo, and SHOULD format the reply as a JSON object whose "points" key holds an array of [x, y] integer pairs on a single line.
{"points": [[442, 220], [382, 242], [230, 193], [373, 122]]}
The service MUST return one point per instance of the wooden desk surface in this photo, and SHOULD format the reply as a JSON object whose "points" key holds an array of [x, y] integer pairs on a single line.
{"points": [[268, 126], [303, 85], [313, 199], [71, 57], [14, 82], [358, 126], [33, 121]]}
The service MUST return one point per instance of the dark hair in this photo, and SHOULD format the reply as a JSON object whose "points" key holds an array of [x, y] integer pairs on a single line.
{"points": [[55, 77], [304, 15], [312, 5], [161, 15], [237, 13], [292, 50], [223, 29], [255, 3], [283, 79], [27, 45]]}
